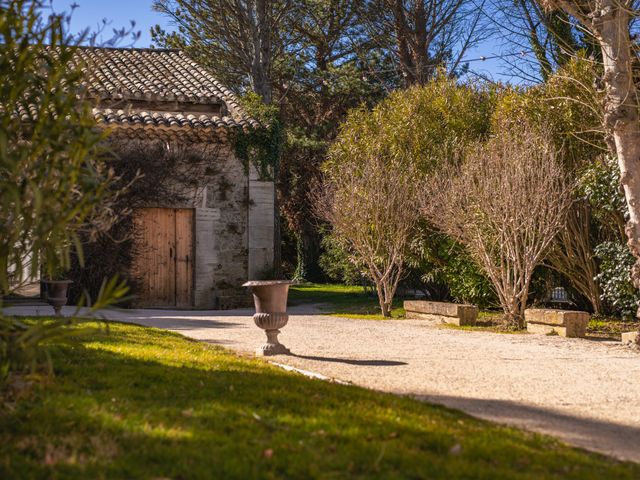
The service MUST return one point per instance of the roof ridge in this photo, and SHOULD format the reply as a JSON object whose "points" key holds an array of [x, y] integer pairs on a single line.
{"points": [[138, 49]]}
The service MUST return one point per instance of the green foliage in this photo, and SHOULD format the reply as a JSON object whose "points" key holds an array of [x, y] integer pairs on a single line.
{"points": [[260, 147], [52, 181], [20, 344], [567, 105], [464, 279], [600, 185], [448, 271], [25, 345], [144, 403], [54, 187], [425, 125], [337, 264], [615, 278]]}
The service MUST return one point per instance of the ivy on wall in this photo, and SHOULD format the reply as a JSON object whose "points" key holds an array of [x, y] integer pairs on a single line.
{"points": [[260, 147], [147, 173]]}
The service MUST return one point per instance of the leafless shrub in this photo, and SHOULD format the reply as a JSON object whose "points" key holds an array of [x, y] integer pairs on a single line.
{"points": [[505, 202], [373, 206], [571, 254]]}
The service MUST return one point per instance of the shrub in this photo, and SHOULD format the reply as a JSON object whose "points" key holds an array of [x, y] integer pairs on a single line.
{"points": [[54, 188], [447, 272], [615, 278], [567, 107], [371, 201], [407, 135], [505, 202], [599, 184], [337, 263]]}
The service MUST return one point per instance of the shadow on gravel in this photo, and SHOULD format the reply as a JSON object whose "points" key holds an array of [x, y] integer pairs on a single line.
{"points": [[179, 323], [350, 361], [618, 440]]}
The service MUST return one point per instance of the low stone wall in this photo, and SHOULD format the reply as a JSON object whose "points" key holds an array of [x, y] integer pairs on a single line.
{"points": [[453, 313], [566, 323], [630, 337]]}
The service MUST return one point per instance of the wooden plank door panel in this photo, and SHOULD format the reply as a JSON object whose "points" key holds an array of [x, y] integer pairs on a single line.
{"points": [[164, 256], [167, 268]]}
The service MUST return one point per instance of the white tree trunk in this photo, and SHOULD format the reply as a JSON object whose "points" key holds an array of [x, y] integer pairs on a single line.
{"points": [[621, 116], [608, 20]]}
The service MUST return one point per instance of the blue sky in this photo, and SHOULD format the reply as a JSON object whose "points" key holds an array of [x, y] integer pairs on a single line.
{"points": [[119, 13]]}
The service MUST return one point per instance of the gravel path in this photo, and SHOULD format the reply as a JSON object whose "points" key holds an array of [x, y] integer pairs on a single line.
{"points": [[584, 392]]}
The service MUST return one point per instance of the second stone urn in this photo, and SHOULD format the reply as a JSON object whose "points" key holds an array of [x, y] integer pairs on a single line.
{"points": [[57, 291], [270, 298]]}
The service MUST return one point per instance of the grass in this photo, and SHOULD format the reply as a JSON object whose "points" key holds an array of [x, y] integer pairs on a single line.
{"points": [[350, 301], [353, 302], [611, 328], [346, 301], [145, 403]]}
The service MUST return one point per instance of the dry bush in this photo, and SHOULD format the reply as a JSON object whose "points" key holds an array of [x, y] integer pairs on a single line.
{"points": [[505, 202], [373, 206], [572, 254]]}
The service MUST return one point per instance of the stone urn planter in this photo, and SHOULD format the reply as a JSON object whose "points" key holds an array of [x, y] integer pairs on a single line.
{"points": [[270, 298], [57, 294]]}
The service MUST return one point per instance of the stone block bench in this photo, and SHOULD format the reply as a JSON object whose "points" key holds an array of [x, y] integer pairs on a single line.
{"points": [[630, 337], [453, 313], [566, 323]]}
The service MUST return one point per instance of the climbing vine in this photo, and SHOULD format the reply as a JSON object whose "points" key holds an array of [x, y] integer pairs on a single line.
{"points": [[260, 147]]}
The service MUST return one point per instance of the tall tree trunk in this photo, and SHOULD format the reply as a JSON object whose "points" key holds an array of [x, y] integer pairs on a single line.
{"points": [[263, 86], [608, 21], [260, 27], [263, 50], [420, 50], [382, 297], [407, 67], [621, 111]]}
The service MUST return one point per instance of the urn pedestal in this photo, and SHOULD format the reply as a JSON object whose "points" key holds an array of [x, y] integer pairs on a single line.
{"points": [[270, 299]]}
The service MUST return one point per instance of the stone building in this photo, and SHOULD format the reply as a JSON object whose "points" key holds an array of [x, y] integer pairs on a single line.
{"points": [[197, 251]]}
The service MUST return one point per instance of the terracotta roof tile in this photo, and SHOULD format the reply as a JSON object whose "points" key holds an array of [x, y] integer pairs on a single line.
{"points": [[156, 75]]}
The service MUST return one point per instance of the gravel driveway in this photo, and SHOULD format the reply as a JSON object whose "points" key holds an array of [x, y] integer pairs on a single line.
{"points": [[585, 392]]}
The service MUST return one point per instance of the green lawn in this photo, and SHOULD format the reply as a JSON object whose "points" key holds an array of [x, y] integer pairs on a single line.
{"points": [[342, 300], [144, 403], [611, 328], [352, 302]]}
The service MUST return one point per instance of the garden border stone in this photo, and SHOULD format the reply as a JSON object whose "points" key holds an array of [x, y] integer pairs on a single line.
{"points": [[453, 313], [566, 323]]}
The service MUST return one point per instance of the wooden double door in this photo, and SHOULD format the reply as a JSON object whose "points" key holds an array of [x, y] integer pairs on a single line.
{"points": [[163, 256]]}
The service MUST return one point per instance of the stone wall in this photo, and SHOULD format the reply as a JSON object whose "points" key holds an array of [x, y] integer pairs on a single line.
{"points": [[221, 236], [261, 227], [211, 180]]}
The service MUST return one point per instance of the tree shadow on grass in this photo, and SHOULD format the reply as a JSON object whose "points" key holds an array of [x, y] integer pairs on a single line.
{"points": [[119, 408], [181, 323], [610, 438]]}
